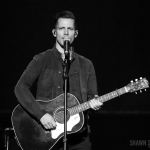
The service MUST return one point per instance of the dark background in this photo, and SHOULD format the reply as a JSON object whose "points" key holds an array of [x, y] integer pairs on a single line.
{"points": [[114, 34]]}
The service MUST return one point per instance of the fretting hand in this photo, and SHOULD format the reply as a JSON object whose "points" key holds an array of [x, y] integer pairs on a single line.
{"points": [[95, 103]]}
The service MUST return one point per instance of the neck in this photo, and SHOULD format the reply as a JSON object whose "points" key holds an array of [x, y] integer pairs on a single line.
{"points": [[59, 48]]}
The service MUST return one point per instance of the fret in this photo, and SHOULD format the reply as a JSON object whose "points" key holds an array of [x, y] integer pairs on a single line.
{"points": [[73, 111], [70, 110], [111, 95], [87, 105], [79, 108], [119, 92], [108, 96], [100, 99], [103, 98], [82, 107], [123, 90], [115, 94]]}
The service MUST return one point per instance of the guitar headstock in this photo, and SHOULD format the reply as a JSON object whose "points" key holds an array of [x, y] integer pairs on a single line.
{"points": [[140, 84]]}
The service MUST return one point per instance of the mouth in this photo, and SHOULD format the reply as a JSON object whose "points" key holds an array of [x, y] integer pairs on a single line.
{"points": [[66, 39]]}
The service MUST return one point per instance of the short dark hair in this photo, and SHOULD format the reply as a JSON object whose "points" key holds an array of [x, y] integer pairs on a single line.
{"points": [[64, 14]]}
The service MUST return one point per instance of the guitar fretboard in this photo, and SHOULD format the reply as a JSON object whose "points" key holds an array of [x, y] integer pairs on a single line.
{"points": [[84, 106]]}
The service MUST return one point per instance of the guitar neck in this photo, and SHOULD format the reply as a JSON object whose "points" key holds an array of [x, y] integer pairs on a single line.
{"points": [[85, 106]]}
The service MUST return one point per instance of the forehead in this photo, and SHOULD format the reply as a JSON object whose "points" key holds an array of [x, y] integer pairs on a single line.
{"points": [[65, 22]]}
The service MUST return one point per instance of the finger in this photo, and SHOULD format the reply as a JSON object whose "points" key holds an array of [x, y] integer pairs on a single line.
{"points": [[45, 127], [96, 108], [91, 104], [100, 103], [54, 124], [96, 104], [50, 125]]}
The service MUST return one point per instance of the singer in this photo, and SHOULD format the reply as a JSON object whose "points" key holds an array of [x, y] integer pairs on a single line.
{"points": [[46, 70]]}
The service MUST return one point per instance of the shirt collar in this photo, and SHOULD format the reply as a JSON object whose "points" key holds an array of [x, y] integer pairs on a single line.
{"points": [[59, 55]]}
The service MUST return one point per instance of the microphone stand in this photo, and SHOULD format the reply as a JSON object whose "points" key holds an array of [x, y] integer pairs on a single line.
{"points": [[65, 75]]}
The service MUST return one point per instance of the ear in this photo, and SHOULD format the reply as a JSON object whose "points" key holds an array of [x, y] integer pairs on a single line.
{"points": [[76, 33], [54, 32]]}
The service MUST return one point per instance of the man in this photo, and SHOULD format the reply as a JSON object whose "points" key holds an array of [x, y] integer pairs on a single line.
{"points": [[47, 69]]}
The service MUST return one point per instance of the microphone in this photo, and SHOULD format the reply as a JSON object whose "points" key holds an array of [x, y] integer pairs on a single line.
{"points": [[66, 46], [67, 49]]}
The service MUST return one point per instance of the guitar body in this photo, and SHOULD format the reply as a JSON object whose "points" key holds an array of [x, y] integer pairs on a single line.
{"points": [[31, 135]]}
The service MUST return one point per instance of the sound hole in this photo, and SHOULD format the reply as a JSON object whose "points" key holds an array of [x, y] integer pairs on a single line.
{"points": [[59, 115]]}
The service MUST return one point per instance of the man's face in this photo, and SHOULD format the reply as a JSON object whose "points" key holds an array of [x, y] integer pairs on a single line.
{"points": [[65, 30]]}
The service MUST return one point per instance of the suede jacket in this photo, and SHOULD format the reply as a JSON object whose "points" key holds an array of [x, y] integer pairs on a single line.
{"points": [[46, 70]]}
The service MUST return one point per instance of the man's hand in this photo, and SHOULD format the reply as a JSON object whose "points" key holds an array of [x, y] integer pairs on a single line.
{"points": [[95, 104], [48, 121]]}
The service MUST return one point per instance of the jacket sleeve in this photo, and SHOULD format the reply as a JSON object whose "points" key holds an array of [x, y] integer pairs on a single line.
{"points": [[22, 89]]}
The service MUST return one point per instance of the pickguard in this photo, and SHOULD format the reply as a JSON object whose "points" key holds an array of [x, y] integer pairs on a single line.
{"points": [[73, 120]]}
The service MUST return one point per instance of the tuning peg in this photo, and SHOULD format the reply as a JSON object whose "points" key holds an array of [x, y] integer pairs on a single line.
{"points": [[135, 92], [145, 89], [140, 91], [131, 81], [141, 78], [136, 79]]}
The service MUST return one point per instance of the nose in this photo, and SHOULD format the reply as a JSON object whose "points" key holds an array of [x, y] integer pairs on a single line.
{"points": [[66, 32]]}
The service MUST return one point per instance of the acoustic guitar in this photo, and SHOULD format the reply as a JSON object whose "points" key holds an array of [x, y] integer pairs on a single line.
{"points": [[31, 135]]}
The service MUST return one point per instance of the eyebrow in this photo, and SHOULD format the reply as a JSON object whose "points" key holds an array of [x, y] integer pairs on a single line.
{"points": [[67, 27]]}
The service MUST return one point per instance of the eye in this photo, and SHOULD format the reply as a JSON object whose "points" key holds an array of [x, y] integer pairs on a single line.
{"points": [[60, 28]]}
